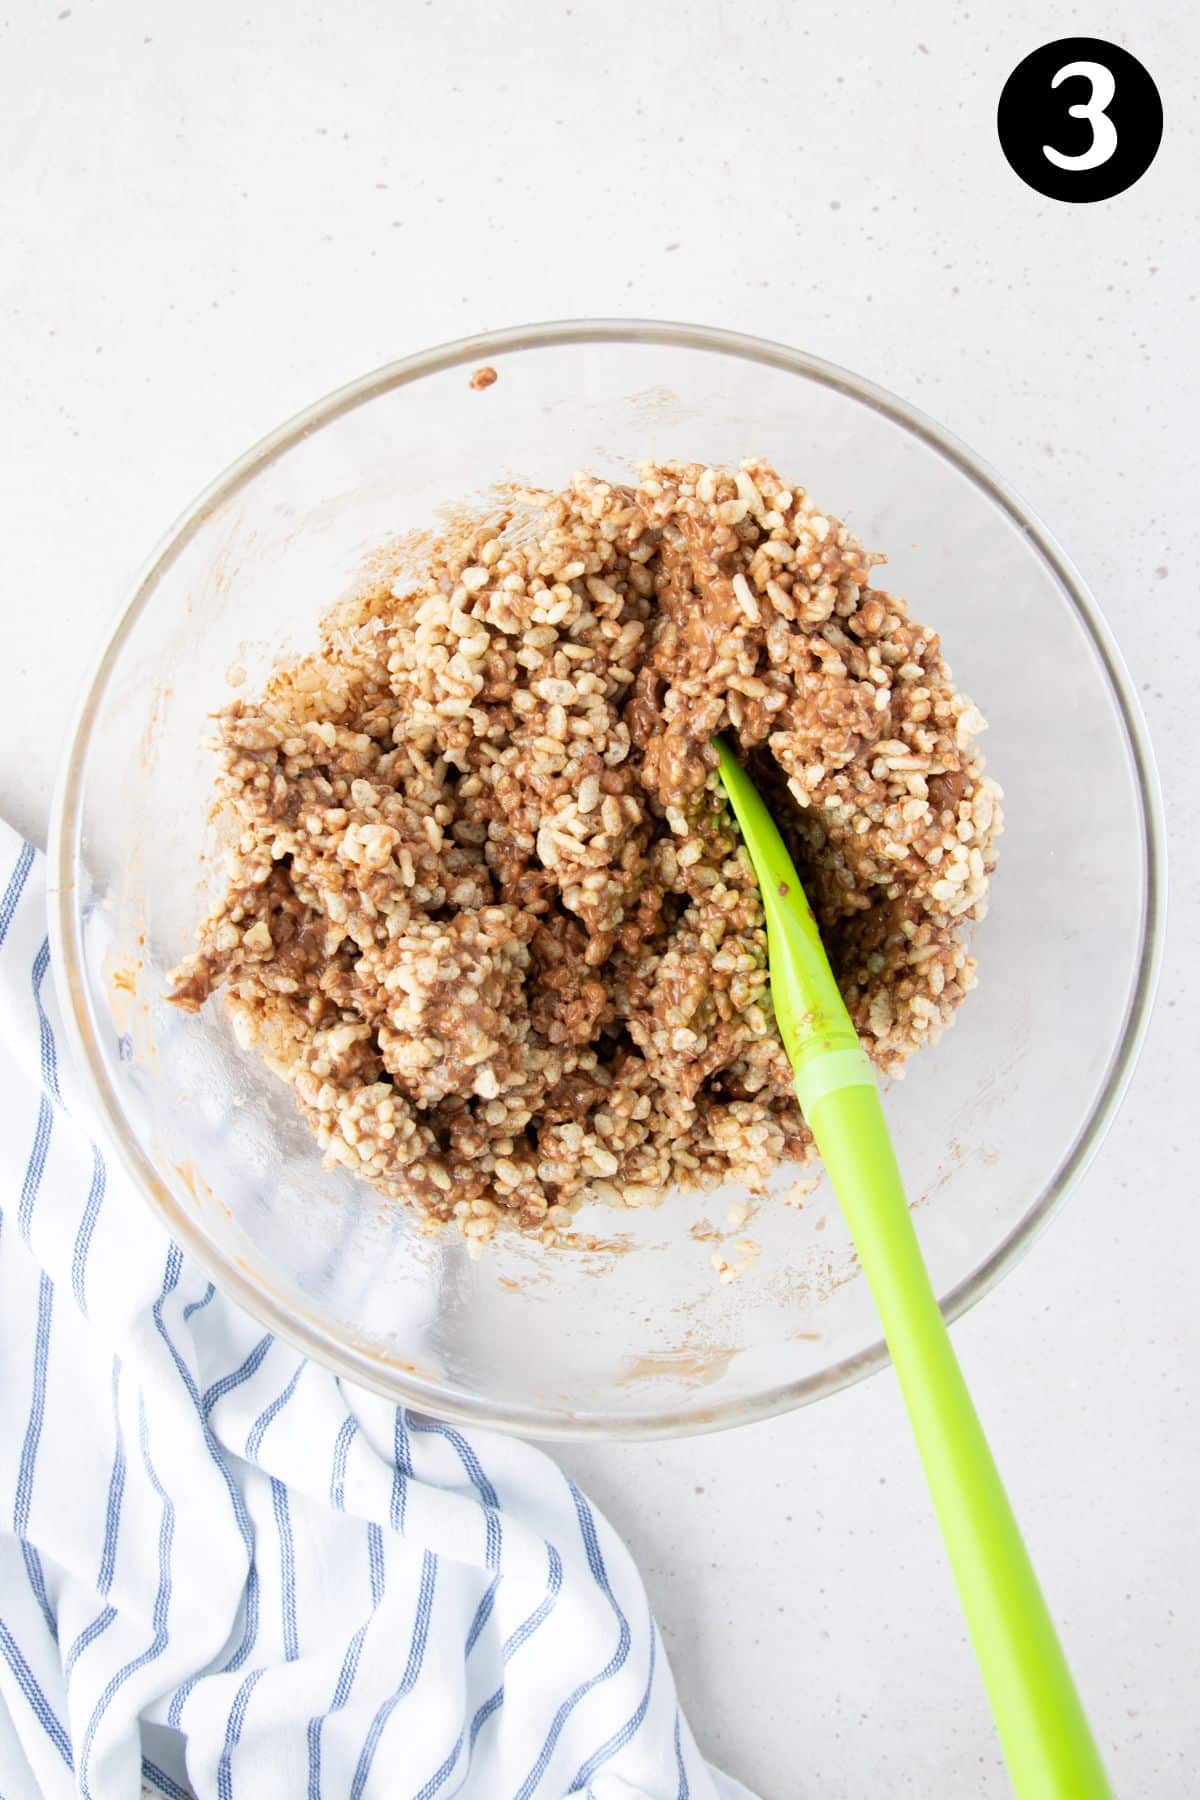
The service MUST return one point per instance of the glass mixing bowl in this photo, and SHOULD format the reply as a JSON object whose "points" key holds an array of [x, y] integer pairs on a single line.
{"points": [[633, 1335]]}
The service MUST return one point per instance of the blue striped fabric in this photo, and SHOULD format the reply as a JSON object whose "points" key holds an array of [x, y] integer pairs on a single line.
{"points": [[225, 1573]]}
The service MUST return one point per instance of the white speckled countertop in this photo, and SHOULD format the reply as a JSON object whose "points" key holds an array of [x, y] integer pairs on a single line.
{"points": [[209, 218]]}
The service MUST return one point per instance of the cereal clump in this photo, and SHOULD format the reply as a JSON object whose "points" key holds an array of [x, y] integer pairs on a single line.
{"points": [[487, 912]]}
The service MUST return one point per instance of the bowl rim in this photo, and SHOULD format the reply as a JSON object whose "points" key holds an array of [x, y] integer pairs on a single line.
{"points": [[65, 915]]}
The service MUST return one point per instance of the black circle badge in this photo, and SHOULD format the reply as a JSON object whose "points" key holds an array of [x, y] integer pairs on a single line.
{"points": [[1080, 119]]}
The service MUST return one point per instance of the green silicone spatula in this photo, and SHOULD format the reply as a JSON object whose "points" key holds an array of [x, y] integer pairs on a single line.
{"points": [[1045, 1736]]}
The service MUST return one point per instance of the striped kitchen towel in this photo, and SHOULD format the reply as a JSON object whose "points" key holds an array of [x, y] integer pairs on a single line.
{"points": [[225, 1572]]}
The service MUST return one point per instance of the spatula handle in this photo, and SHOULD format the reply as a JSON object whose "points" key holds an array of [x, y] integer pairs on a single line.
{"points": [[1048, 1745]]}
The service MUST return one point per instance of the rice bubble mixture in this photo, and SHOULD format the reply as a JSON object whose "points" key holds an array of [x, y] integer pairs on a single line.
{"points": [[487, 911]]}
